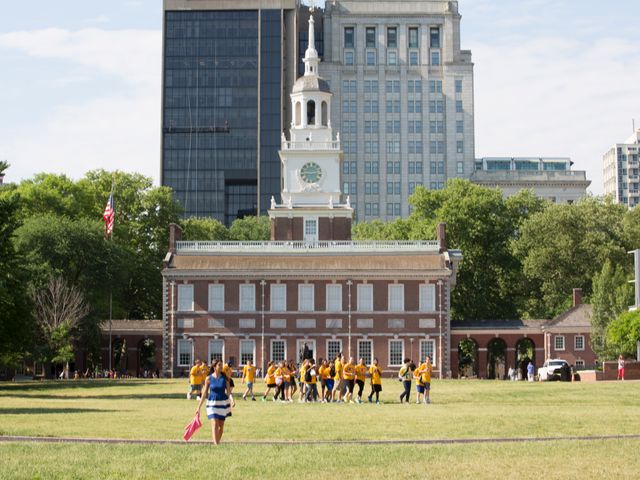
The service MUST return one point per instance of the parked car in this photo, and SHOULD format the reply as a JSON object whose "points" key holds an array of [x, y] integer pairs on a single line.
{"points": [[552, 369]]}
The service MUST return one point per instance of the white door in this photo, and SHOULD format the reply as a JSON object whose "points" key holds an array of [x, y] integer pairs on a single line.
{"points": [[310, 230]]}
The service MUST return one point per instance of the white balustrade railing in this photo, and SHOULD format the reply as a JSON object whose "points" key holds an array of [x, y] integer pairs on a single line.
{"points": [[303, 246], [333, 145]]}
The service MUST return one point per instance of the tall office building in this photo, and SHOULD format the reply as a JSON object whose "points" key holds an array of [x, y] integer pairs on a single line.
{"points": [[228, 67], [404, 92], [621, 171]]}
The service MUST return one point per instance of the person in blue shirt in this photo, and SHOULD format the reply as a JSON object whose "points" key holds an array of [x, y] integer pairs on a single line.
{"points": [[218, 393], [530, 371]]}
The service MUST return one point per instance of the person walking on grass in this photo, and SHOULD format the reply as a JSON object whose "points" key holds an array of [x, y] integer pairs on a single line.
{"points": [[228, 371], [279, 376], [425, 370], [325, 375], [218, 392], [405, 375], [338, 381], [292, 378], [530, 371], [349, 375], [376, 381], [303, 383], [196, 379], [330, 373], [248, 377], [417, 374], [286, 381], [270, 380], [621, 368], [361, 375]]}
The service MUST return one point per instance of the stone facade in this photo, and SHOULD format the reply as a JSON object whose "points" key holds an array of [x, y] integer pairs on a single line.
{"points": [[621, 171]]}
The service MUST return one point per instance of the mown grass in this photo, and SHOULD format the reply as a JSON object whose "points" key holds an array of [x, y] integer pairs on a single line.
{"points": [[158, 410]]}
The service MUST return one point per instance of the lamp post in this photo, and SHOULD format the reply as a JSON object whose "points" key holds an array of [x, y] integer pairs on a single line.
{"points": [[411, 342], [349, 283], [440, 328], [262, 284]]}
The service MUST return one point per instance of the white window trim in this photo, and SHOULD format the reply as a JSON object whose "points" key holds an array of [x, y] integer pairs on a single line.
{"points": [[212, 287], [240, 351], [304, 228], [555, 343], [362, 286], [246, 286], [328, 287], [422, 291], [575, 339], [210, 323], [326, 347], [278, 286], [183, 287], [301, 286], [367, 361], [434, 353], [185, 323], [271, 348], [209, 347], [247, 320], [389, 288], [178, 343], [389, 352]]}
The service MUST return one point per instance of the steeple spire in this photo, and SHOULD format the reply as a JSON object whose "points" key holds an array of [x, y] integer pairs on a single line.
{"points": [[311, 55]]}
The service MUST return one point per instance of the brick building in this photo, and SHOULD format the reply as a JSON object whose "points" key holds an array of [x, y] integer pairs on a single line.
{"points": [[310, 290]]}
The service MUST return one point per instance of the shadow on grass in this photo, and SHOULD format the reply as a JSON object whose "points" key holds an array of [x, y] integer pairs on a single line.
{"points": [[46, 396], [40, 411], [71, 384]]}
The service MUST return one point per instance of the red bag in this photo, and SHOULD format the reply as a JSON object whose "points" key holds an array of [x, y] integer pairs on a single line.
{"points": [[192, 427]]}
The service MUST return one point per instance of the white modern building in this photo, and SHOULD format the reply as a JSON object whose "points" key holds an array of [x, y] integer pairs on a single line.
{"points": [[549, 178], [403, 89], [621, 171]]}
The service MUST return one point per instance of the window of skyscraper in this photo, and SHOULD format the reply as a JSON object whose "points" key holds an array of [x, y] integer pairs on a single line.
{"points": [[460, 146], [392, 57], [371, 57], [459, 126], [370, 35], [459, 106], [349, 40], [460, 168], [413, 37], [413, 57], [392, 37], [435, 86], [458, 85], [434, 35], [348, 58], [435, 58]]}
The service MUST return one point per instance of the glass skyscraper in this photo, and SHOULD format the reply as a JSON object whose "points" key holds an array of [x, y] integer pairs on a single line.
{"points": [[225, 74]]}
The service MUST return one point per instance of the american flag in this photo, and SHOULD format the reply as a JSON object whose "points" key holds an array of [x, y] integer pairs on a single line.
{"points": [[109, 215]]}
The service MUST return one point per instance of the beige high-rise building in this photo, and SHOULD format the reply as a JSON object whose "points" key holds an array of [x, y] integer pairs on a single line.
{"points": [[621, 171]]}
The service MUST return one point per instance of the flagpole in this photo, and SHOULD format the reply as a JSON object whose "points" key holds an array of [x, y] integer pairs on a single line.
{"points": [[113, 183]]}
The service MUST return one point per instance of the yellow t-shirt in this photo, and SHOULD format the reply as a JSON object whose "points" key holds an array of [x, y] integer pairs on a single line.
{"points": [[417, 375], [425, 372], [348, 372], [286, 374], [314, 376], [195, 375], [278, 372], [303, 369], [405, 373], [361, 372], [271, 379], [227, 370], [325, 373], [375, 373], [248, 373], [338, 367]]}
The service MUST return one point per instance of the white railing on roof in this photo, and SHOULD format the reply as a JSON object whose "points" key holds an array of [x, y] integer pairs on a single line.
{"points": [[302, 246], [333, 145]]}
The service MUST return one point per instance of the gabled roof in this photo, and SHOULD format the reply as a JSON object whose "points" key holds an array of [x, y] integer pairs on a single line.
{"points": [[497, 324], [579, 316]]}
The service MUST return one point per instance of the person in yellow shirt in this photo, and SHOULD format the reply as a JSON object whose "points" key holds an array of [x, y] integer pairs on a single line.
{"points": [[279, 376], [310, 378], [338, 381], [405, 375], [329, 374], [426, 369], [349, 375], [417, 374], [248, 376], [361, 374], [376, 381], [303, 383], [228, 372], [270, 380], [323, 379], [286, 378], [293, 387], [196, 379]]}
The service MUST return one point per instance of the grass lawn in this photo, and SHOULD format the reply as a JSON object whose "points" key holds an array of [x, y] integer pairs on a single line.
{"points": [[158, 409]]}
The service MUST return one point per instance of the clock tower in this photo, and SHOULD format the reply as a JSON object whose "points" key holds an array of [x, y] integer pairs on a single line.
{"points": [[311, 208]]}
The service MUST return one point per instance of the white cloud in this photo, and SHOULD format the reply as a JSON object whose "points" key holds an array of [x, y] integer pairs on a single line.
{"points": [[133, 55], [555, 96]]}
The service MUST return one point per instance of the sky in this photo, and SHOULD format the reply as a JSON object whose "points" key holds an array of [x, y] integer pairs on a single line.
{"points": [[80, 83]]}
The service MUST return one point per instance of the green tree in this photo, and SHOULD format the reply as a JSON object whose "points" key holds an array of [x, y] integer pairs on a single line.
{"points": [[612, 295], [203, 229], [623, 334], [564, 246], [250, 229], [399, 229]]}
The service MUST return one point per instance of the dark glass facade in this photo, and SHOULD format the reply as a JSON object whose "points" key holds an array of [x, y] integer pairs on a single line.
{"points": [[213, 120]]}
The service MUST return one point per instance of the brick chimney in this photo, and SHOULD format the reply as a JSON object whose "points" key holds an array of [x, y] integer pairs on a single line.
{"points": [[442, 236], [175, 235], [577, 296]]}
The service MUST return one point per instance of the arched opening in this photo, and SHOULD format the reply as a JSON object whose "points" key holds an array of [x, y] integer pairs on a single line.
{"points": [[311, 112], [525, 353], [119, 348], [146, 357], [496, 357], [467, 358], [325, 114], [298, 118]]}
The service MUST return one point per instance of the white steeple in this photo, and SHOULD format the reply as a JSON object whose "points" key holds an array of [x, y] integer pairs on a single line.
{"points": [[311, 55]]}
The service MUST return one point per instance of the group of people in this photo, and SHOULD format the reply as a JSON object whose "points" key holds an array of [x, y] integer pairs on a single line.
{"points": [[337, 379]]}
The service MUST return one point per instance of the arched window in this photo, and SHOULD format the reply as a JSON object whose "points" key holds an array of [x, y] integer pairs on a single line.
{"points": [[298, 113], [325, 112], [311, 112]]}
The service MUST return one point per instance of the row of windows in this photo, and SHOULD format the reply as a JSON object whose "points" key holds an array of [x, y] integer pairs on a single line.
{"points": [[393, 126], [278, 350], [578, 342], [370, 37], [300, 323], [306, 297], [393, 106], [394, 168], [394, 146]]}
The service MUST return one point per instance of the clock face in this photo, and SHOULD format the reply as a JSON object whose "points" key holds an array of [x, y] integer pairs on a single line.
{"points": [[311, 172]]}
